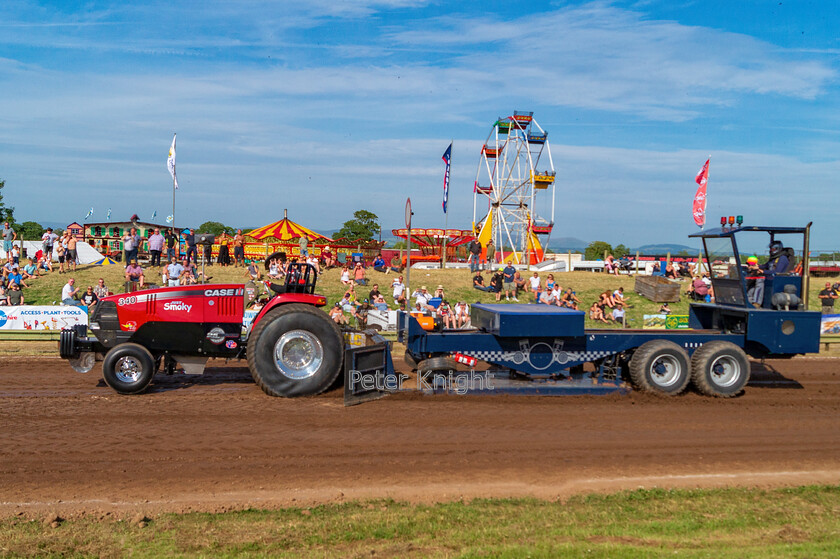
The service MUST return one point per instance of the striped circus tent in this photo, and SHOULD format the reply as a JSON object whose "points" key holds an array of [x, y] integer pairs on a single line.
{"points": [[285, 230], [105, 262]]}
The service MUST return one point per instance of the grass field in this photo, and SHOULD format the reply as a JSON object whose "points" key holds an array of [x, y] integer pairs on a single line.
{"points": [[457, 283], [725, 523]]}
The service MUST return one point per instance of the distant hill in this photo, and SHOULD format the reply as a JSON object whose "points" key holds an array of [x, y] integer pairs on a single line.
{"points": [[665, 248], [561, 244]]}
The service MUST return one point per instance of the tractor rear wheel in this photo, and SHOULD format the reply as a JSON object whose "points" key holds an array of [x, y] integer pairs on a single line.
{"points": [[295, 350], [440, 364], [661, 367], [720, 369], [128, 368]]}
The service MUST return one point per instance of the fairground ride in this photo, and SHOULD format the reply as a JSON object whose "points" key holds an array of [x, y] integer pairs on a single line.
{"points": [[515, 183]]}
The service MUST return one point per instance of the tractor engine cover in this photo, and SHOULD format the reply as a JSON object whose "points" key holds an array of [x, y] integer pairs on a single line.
{"points": [[190, 319]]}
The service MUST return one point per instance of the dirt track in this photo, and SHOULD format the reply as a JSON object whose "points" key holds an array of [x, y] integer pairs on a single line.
{"points": [[70, 444]]}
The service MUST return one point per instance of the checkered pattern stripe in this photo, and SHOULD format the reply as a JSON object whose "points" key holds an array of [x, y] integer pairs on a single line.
{"points": [[508, 355]]}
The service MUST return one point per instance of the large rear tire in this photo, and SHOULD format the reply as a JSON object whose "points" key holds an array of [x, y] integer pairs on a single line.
{"points": [[720, 369], [128, 368], [295, 350], [660, 367]]}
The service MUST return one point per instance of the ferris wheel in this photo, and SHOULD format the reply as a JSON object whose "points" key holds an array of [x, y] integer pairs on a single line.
{"points": [[514, 185]]}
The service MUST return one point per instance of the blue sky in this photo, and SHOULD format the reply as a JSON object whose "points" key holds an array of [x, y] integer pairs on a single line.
{"points": [[326, 107]]}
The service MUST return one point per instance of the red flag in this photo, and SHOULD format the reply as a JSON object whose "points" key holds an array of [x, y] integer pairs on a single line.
{"points": [[699, 208]]}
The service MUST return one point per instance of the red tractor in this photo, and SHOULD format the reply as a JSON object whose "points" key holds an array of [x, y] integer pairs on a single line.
{"points": [[293, 348]]}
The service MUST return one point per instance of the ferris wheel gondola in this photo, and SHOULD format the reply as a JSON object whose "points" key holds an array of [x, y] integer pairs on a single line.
{"points": [[516, 181]]}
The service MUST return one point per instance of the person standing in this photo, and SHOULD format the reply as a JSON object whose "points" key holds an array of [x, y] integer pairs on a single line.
{"points": [[303, 243], [238, 248], [174, 272], [490, 255], [510, 289], [71, 256], [156, 241], [827, 297], [192, 251], [171, 239], [475, 255], [131, 244], [47, 240], [9, 235]]}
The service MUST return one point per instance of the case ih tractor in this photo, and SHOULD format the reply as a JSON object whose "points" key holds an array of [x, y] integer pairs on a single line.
{"points": [[294, 349]]}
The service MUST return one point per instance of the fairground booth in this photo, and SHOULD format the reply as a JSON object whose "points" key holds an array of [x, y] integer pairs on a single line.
{"points": [[285, 235], [431, 243]]}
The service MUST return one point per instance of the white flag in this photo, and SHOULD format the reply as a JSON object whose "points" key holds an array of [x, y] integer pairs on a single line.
{"points": [[109, 214], [90, 213], [154, 214], [170, 163], [169, 218]]}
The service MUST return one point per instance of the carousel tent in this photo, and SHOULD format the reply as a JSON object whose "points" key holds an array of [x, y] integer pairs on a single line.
{"points": [[285, 230]]}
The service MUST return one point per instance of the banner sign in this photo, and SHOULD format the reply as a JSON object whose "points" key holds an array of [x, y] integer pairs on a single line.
{"points": [[667, 321], [830, 324], [30, 317]]}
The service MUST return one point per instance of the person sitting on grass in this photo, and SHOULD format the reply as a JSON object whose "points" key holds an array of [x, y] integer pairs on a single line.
{"points": [[100, 289], [380, 303], [379, 264], [617, 315], [252, 271], [596, 313], [439, 292], [569, 300], [549, 282], [45, 263], [15, 295], [618, 297], [665, 309], [68, 293], [89, 298], [347, 302], [478, 282], [534, 283], [274, 270], [520, 284], [611, 266], [30, 271], [362, 313], [359, 274], [345, 276], [134, 273], [421, 297], [16, 277], [496, 284], [312, 260], [337, 314]]}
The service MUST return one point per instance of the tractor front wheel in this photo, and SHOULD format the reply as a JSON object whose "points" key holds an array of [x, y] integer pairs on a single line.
{"points": [[128, 368], [295, 350]]}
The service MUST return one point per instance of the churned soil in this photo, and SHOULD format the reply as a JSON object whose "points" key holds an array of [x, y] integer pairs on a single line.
{"points": [[216, 442]]}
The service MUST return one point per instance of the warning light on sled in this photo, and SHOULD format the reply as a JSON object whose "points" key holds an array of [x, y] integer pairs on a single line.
{"points": [[739, 220], [723, 220], [731, 220]]}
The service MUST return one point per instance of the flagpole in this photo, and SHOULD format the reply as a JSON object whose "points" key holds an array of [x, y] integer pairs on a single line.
{"points": [[446, 213], [706, 199]]}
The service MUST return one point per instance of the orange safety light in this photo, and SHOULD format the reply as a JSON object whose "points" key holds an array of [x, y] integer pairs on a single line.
{"points": [[731, 220]]}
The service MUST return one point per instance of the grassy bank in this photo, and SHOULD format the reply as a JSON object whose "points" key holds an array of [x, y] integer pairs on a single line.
{"points": [[457, 283], [742, 523]]}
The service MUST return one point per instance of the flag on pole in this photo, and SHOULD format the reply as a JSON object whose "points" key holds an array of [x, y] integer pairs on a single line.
{"points": [[108, 217], [699, 207], [154, 214], [447, 157], [169, 218], [170, 163], [90, 213]]}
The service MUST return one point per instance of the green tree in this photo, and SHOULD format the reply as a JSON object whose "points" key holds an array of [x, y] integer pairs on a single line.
{"points": [[215, 228], [596, 249], [620, 251], [400, 244], [6, 213], [30, 230], [364, 225]]}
